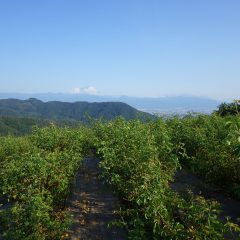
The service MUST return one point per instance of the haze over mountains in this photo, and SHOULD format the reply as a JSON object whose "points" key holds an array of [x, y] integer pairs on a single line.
{"points": [[164, 105]]}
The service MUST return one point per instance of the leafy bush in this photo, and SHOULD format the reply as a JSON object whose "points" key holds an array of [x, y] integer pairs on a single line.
{"points": [[226, 109], [36, 181], [211, 147], [139, 160]]}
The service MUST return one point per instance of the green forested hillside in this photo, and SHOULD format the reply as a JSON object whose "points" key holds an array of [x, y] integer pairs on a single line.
{"points": [[79, 111], [18, 126]]}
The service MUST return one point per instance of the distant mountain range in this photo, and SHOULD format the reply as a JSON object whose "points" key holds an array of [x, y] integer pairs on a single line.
{"points": [[168, 105], [77, 111]]}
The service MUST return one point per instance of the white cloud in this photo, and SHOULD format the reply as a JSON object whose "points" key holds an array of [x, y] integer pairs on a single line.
{"points": [[88, 90], [76, 90]]}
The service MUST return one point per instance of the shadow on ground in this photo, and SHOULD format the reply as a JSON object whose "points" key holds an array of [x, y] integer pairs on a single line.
{"points": [[93, 205], [185, 180]]}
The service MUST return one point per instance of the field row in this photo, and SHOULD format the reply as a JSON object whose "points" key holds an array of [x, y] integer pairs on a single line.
{"points": [[138, 159]]}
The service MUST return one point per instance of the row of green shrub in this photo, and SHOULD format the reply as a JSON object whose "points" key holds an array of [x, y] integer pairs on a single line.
{"points": [[210, 147], [139, 160], [35, 176]]}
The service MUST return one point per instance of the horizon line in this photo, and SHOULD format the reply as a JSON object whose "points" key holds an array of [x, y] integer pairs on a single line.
{"points": [[119, 96]]}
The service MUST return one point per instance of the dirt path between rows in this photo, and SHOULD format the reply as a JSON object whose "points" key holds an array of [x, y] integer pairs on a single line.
{"points": [[93, 205], [184, 179], [230, 207]]}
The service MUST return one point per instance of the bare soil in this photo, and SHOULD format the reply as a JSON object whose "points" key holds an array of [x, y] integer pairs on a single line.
{"points": [[93, 206], [184, 180]]}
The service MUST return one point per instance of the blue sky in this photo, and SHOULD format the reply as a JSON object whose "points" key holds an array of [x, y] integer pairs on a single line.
{"points": [[124, 47]]}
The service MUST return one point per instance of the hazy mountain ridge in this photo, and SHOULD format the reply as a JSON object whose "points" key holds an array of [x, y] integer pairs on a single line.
{"points": [[170, 104], [78, 111]]}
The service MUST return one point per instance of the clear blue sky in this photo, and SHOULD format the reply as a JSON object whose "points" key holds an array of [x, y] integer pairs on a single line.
{"points": [[121, 47]]}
